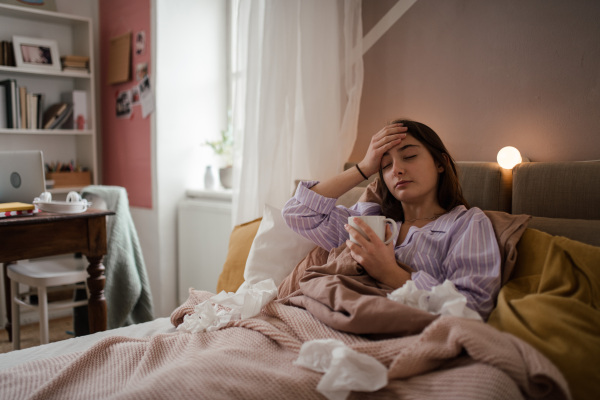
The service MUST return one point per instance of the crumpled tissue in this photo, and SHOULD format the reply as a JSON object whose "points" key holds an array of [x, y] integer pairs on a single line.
{"points": [[344, 369], [220, 309], [443, 299]]}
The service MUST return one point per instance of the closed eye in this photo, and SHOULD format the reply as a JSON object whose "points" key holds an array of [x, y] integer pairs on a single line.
{"points": [[409, 157], [386, 161]]}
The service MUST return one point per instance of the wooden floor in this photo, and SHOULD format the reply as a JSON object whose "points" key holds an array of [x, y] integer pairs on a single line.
{"points": [[60, 329]]}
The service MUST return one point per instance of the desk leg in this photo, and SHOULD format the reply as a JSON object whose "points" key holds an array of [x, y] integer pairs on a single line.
{"points": [[96, 302], [7, 301]]}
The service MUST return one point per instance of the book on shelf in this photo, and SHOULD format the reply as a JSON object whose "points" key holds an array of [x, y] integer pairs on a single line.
{"points": [[56, 115], [40, 108], [7, 54], [74, 69], [75, 63], [34, 110], [35, 106], [3, 116], [23, 107], [11, 106], [30, 109], [84, 59]]}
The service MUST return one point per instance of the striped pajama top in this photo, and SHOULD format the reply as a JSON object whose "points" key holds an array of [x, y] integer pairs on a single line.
{"points": [[459, 246]]}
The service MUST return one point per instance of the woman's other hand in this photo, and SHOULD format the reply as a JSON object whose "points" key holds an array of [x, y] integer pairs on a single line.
{"points": [[387, 138], [377, 258]]}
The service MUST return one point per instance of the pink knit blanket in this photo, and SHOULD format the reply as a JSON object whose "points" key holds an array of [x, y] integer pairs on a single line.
{"points": [[253, 359]]}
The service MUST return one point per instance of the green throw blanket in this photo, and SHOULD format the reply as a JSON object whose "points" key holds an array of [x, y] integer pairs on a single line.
{"points": [[127, 289]]}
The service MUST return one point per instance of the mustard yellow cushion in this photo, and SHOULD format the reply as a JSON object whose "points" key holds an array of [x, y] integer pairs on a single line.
{"points": [[552, 301], [240, 241]]}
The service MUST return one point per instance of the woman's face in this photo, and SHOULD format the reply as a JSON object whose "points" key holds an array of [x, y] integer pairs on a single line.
{"points": [[410, 172]]}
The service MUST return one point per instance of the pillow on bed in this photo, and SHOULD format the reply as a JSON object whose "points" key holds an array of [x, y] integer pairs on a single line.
{"points": [[240, 242], [276, 249], [552, 301]]}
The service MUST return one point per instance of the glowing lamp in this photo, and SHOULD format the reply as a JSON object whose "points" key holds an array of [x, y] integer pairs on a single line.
{"points": [[508, 157]]}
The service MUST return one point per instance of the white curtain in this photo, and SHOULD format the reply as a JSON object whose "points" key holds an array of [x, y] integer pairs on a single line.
{"points": [[296, 94]]}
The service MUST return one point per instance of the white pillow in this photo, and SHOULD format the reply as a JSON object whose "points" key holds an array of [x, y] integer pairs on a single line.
{"points": [[276, 249]]}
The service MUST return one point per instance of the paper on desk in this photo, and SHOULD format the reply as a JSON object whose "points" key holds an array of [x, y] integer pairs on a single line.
{"points": [[443, 299], [220, 309], [344, 369]]}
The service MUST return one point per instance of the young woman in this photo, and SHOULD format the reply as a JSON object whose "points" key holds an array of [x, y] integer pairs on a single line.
{"points": [[439, 237]]}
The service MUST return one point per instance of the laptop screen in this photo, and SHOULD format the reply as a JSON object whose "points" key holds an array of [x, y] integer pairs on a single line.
{"points": [[21, 175]]}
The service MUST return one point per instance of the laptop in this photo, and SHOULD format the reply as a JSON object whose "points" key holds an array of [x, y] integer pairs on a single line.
{"points": [[21, 176]]}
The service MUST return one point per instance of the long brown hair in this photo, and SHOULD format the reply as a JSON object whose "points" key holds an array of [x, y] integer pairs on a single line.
{"points": [[449, 191]]}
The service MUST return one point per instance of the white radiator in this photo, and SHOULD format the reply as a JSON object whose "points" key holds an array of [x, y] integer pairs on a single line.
{"points": [[204, 227]]}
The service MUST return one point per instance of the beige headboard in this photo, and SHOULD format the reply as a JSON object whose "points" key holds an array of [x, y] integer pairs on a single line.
{"points": [[562, 197], [485, 185], [557, 189]]}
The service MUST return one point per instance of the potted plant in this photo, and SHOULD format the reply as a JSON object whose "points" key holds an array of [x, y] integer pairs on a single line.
{"points": [[223, 149]]}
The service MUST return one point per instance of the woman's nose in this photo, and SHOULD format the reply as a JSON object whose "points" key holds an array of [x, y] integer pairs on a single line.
{"points": [[398, 168]]}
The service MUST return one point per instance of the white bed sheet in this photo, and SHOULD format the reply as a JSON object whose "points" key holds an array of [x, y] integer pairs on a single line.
{"points": [[77, 344]]}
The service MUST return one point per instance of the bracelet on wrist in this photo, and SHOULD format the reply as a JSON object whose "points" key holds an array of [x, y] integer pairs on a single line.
{"points": [[363, 175]]}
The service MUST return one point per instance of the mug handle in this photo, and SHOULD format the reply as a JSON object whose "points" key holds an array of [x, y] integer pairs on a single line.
{"points": [[394, 229]]}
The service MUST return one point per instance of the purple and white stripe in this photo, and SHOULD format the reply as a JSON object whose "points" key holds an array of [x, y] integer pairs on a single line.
{"points": [[317, 218], [459, 246]]}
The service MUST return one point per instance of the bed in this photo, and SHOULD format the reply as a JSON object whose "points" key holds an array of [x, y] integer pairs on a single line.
{"points": [[541, 341]]}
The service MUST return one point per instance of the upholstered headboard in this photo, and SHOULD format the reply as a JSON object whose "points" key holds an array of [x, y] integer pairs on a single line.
{"points": [[562, 197], [557, 189], [485, 185]]}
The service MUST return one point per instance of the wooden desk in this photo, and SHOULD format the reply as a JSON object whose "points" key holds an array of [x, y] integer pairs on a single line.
{"points": [[47, 234]]}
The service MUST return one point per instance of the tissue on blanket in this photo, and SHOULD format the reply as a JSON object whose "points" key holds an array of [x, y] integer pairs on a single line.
{"points": [[344, 369], [220, 309], [443, 299]]}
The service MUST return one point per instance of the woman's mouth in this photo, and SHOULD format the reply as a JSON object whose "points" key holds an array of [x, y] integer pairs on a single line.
{"points": [[401, 184]]}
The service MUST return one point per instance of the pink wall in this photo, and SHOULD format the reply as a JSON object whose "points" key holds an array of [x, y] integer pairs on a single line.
{"points": [[487, 74], [126, 142]]}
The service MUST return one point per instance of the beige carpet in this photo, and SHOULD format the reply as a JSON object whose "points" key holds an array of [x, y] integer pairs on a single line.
{"points": [[30, 334]]}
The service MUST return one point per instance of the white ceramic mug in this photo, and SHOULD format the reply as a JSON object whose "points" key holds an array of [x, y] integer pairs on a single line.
{"points": [[377, 223], [74, 197], [46, 197]]}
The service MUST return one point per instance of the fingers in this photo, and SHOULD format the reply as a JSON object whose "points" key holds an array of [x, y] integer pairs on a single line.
{"points": [[355, 236], [388, 137], [391, 133], [355, 251], [393, 129]]}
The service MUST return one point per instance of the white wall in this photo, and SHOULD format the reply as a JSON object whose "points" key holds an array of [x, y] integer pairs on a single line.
{"points": [[191, 98]]}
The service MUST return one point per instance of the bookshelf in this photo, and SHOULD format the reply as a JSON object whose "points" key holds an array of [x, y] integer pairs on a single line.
{"points": [[73, 35]]}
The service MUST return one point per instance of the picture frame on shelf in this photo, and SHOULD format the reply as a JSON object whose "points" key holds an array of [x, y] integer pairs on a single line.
{"points": [[35, 53]]}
